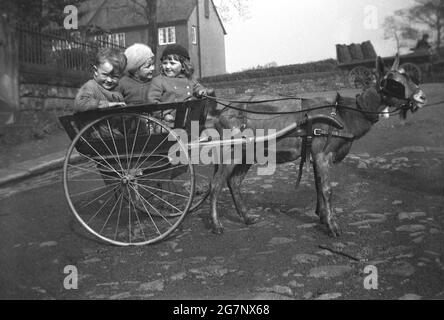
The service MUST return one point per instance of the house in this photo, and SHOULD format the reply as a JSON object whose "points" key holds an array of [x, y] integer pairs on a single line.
{"points": [[194, 24]]}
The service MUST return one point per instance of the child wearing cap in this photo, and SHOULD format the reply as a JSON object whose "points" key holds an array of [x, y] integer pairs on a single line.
{"points": [[138, 74], [175, 83]]}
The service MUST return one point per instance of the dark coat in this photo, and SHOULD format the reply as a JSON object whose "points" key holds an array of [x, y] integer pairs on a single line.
{"points": [[134, 91], [92, 96], [164, 89]]}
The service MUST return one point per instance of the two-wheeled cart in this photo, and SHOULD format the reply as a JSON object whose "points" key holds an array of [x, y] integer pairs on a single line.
{"points": [[360, 67], [128, 177]]}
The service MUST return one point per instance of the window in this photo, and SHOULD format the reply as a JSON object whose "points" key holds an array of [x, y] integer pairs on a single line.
{"points": [[167, 35], [106, 40], [194, 34]]}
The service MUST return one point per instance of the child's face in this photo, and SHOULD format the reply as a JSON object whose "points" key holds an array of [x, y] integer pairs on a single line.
{"points": [[106, 76], [171, 67], [145, 72]]}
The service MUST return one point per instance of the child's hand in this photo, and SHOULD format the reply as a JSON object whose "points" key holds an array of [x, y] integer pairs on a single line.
{"points": [[116, 104], [168, 117], [205, 92], [200, 93], [210, 92]]}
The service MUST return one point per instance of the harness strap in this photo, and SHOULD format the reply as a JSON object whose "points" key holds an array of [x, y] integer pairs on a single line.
{"points": [[332, 133], [244, 113], [307, 139], [334, 113], [329, 136], [334, 107], [308, 142]]}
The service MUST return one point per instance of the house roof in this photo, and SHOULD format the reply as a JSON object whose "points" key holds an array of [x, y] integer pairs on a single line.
{"points": [[218, 17], [121, 14], [179, 10], [174, 10]]}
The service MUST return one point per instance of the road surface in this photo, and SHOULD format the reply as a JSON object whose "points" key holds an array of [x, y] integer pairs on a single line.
{"points": [[388, 195]]}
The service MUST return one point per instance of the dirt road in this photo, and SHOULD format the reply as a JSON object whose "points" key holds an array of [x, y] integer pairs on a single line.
{"points": [[389, 197]]}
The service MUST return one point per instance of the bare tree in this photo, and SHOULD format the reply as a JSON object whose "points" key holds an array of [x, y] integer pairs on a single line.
{"points": [[38, 13], [148, 9], [145, 11], [229, 8], [424, 16], [395, 27]]}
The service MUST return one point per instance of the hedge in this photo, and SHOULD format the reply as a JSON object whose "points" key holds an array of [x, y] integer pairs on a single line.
{"points": [[311, 67]]}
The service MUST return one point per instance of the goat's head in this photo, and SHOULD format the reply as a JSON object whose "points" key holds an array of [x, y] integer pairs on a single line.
{"points": [[400, 91]]}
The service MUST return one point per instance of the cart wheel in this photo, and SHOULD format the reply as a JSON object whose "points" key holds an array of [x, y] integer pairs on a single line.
{"points": [[413, 71], [360, 77], [203, 175], [113, 176]]}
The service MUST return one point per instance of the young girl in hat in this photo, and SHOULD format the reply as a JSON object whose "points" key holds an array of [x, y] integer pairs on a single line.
{"points": [[139, 73], [175, 83]]}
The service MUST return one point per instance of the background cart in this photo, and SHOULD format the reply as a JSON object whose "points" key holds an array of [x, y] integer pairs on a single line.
{"points": [[359, 61]]}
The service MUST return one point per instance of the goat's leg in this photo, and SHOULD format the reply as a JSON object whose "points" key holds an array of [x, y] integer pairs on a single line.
{"points": [[318, 186], [215, 189], [323, 164], [234, 182]]}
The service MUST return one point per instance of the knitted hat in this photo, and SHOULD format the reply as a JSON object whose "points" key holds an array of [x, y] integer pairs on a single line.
{"points": [[175, 49], [137, 55]]}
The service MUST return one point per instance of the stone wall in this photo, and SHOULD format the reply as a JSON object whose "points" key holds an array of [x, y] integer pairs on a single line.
{"points": [[40, 107], [45, 95], [287, 85]]}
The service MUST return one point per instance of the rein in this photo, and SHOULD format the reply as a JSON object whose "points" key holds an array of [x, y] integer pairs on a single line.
{"points": [[227, 104], [434, 104], [309, 133]]}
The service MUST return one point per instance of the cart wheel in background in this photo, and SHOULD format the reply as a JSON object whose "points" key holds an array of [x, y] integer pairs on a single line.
{"points": [[111, 175], [360, 77], [413, 71]]}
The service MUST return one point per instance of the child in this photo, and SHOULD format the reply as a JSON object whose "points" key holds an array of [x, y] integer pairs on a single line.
{"points": [[99, 92], [175, 83], [139, 73]]}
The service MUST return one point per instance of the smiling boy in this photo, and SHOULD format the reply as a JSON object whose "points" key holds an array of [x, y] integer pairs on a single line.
{"points": [[99, 92]]}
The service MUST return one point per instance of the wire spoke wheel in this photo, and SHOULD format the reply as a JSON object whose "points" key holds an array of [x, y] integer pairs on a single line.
{"points": [[115, 174], [178, 182], [413, 71], [360, 77]]}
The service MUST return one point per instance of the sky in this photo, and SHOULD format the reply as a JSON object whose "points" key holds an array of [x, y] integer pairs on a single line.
{"points": [[298, 31]]}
